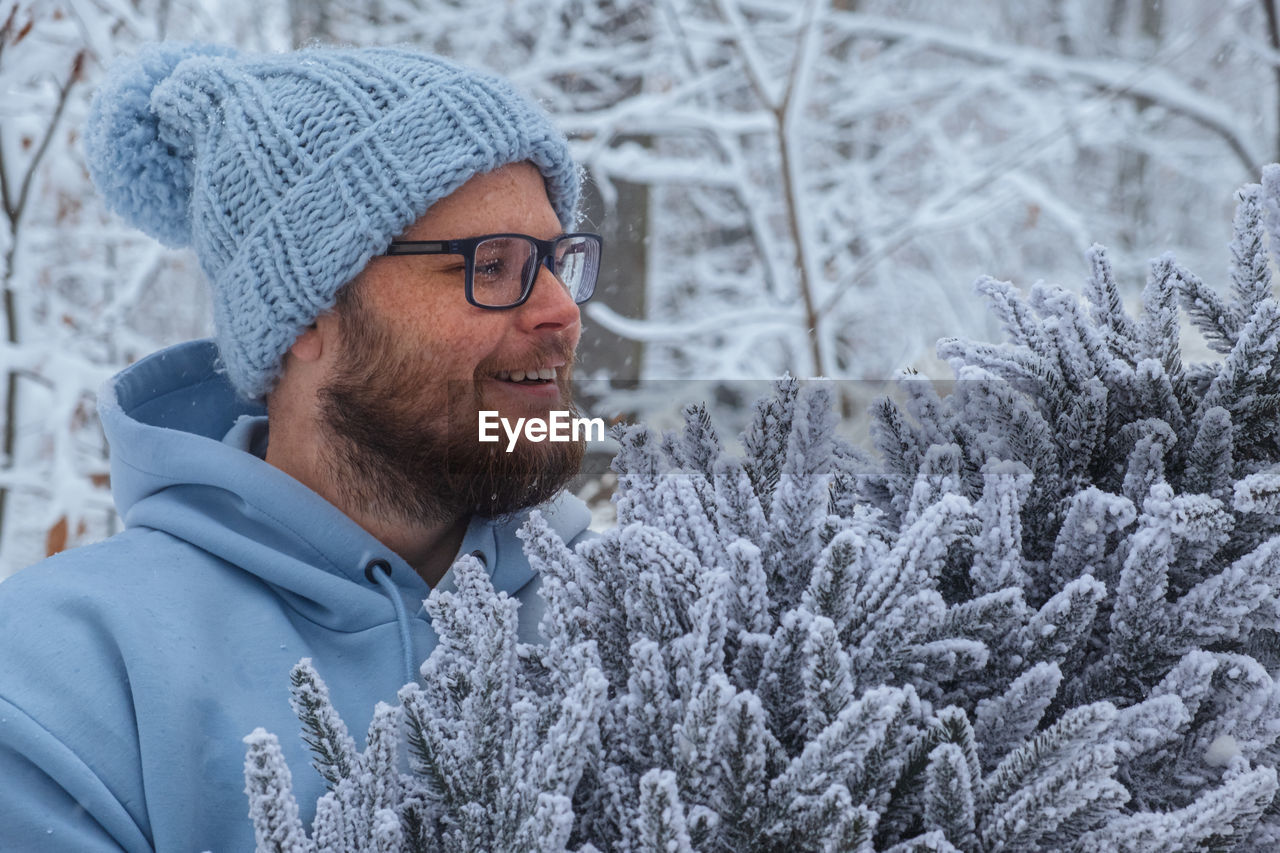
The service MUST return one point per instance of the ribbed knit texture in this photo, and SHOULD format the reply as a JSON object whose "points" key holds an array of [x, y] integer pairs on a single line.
{"points": [[288, 172]]}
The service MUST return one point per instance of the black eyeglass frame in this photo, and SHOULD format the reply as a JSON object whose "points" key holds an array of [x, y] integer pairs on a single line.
{"points": [[467, 248]]}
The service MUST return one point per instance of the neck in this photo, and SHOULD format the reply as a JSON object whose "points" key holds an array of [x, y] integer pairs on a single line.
{"points": [[429, 547]]}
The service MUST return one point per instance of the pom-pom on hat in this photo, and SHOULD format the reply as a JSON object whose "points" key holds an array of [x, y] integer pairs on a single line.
{"points": [[288, 172]]}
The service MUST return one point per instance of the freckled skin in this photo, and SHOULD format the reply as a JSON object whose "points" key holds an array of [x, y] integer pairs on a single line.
{"points": [[421, 297], [420, 300]]}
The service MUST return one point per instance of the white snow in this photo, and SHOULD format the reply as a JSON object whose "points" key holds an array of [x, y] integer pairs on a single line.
{"points": [[1221, 750]]}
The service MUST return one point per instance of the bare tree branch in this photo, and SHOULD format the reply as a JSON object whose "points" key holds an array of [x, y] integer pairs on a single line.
{"points": [[10, 431], [6, 33], [1112, 78], [787, 117], [1273, 34], [64, 92]]}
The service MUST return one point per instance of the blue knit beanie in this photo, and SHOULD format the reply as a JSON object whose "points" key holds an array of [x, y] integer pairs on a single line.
{"points": [[287, 173]]}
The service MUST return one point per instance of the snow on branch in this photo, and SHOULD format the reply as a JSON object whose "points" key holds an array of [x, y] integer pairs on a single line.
{"points": [[1111, 78]]}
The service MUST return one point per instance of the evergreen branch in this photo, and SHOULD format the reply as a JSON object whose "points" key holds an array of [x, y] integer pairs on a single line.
{"points": [[322, 729], [749, 661]]}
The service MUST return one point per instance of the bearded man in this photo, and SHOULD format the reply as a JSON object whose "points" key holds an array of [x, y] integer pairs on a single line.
{"points": [[388, 242]]}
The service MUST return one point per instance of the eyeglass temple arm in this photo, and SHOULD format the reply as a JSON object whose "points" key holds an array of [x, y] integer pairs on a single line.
{"points": [[419, 247]]}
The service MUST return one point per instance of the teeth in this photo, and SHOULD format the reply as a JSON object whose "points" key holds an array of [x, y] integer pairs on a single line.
{"points": [[543, 374]]}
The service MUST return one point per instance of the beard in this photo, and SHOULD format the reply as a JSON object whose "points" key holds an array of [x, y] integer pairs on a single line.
{"points": [[403, 443]]}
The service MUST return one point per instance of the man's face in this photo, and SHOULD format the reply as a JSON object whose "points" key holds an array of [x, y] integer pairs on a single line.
{"points": [[417, 362]]}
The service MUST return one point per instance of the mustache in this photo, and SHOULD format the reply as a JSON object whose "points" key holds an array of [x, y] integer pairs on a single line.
{"points": [[546, 350]]}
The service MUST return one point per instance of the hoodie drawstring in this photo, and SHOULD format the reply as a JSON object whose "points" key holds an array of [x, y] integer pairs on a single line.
{"points": [[379, 572]]}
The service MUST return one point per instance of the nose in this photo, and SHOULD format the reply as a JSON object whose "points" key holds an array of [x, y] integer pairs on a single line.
{"points": [[549, 307]]}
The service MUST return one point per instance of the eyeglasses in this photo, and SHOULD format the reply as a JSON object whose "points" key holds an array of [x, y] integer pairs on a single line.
{"points": [[501, 268]]}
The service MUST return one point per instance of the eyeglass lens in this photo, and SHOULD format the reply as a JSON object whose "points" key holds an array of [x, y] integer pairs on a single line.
{"points": [[505, 267]]}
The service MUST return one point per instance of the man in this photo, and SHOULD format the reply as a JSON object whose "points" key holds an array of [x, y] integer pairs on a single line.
{"points": [[333, 198]]}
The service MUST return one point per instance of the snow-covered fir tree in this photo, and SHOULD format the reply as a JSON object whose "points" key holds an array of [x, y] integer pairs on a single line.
{"points": [[1044, 614]]}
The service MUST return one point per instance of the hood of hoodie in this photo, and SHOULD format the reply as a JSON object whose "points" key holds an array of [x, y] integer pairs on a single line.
{"points": [[186, 460]]}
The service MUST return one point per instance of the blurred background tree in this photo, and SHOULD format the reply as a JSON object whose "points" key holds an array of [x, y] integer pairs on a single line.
{"points": [[808, 186]]}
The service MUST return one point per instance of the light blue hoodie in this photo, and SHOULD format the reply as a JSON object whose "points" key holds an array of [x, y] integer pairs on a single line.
{"points": [[131, 669]]}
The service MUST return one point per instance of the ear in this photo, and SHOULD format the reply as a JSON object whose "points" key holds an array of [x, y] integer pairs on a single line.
{"points": [[319, 336], [309, 345]]}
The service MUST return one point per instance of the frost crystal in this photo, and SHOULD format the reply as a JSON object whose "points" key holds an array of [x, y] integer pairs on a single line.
{"points": [[1043, 617]]}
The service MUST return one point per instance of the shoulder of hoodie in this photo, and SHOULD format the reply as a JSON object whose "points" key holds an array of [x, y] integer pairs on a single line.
{"points": [[129, 568], [81, 629], [137, 576], [87, 635], [110, 600], [142, 581]]}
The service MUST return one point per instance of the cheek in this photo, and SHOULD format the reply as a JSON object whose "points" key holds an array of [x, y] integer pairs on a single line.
{"points": [[459, 346], [434, 320]]}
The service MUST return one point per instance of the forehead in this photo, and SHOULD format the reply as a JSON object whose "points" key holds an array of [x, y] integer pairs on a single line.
{"points": [[510, 199]]}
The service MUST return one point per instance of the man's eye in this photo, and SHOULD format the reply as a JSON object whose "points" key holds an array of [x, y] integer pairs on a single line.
{"points": [[489, 269]]}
